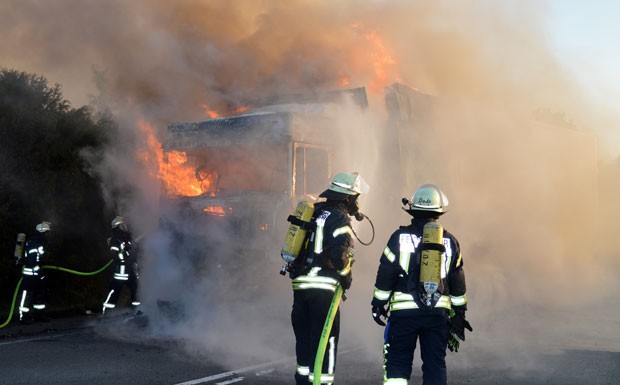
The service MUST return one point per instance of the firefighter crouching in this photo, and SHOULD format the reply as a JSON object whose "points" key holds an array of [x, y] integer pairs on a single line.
{"points": [[125, 265], [422, 282], [325, 264], [32, 299]]}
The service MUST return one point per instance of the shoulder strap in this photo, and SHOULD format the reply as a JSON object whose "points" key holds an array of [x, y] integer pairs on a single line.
{"points": [[308, 226]]}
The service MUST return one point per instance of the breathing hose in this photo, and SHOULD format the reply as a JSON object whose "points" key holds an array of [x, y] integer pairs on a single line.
{"points": [[360, 217], [48, 267]]}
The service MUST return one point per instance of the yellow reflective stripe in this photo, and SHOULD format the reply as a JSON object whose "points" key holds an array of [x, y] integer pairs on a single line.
{"points": [[400, 296], [325, 378], [320, 224], [343, 230], [401, 301], [395, 381], [381, 295], [404, 259], [459, 261], [303, 370], [346, 269], [331, 366], [459, 300], [389, 255], [318, 279], [322, 286], [445, 264]]}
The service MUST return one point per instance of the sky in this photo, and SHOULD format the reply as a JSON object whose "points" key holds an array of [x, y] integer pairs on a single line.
{"points": [[584, 36]]}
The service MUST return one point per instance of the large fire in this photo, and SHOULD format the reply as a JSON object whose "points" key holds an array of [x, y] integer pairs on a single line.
{"points": [[173, 169], [371, 61]]}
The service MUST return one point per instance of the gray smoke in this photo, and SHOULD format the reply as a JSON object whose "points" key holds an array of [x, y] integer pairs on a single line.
{"points": [[517, 146]]}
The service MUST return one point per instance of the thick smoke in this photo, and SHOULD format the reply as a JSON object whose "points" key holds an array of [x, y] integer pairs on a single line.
{"points": [[511, 139]]}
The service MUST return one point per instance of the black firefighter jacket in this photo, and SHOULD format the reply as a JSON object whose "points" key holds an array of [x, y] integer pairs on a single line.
{"points": [[330, 250], [391, 281]]}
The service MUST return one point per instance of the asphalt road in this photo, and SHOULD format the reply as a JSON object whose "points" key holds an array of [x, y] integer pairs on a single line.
{"points": [[87, 351]]}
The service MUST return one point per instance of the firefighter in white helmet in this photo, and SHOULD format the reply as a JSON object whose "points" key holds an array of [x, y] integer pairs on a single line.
{"points": [[316, 274], [431, 312], [125, 265], [32, 299]]}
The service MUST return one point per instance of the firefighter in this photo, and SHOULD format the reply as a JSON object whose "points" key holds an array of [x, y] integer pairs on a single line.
{"points": [[316, 274], [125, 267], [32, 300], [435, 318]]}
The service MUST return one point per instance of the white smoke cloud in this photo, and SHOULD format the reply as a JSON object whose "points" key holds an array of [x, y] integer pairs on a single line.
{"points": [[524, 195]]}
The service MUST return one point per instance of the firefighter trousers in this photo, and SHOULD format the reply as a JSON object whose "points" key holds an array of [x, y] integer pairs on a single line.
{"points": [[32, 297], [115, 291], [310, 308], [401, 336]]}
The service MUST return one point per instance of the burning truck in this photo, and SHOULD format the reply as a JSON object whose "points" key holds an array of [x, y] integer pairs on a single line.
{"points": [[246, 174]]}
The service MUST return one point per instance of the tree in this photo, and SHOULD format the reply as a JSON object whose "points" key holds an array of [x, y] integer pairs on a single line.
{"points": [[43, 177]]}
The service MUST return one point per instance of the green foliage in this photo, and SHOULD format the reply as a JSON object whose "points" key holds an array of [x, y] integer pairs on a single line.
{"points": [[43, 177]]}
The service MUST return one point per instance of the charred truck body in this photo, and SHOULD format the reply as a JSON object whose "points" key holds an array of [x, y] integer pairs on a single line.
{"points": [[249, 173]]}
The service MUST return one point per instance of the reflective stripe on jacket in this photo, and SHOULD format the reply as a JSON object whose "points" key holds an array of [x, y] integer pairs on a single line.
{"points": [[395, 262], [329, 258]]}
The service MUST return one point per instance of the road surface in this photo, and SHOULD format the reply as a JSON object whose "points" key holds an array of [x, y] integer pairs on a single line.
{"points": [[85, 350]]}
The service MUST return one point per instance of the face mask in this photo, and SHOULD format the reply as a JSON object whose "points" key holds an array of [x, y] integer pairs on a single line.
{"points": [[353, 208]]}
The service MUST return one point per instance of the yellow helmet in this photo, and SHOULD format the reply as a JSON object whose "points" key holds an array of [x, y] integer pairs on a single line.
{"points": [[427, 198]]}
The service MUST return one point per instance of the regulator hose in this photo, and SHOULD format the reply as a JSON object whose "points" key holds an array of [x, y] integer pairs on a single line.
{"points": [[360, 217], [48, 267]]}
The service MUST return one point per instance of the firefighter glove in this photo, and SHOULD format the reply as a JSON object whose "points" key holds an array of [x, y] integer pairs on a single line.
{"points": [[377, 313], [453, 343], [458, 323]]}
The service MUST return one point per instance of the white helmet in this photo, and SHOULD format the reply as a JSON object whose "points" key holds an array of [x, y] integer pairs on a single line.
{"points": [[119, 221], [428, 198], [347, 183], [44, 226]]}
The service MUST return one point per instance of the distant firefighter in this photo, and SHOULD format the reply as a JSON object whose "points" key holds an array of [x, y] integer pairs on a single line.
{"points": [[125, 265], [32, 300]]}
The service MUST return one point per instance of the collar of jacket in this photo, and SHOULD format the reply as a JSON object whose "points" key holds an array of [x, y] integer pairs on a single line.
{"points": [[420, 222]]}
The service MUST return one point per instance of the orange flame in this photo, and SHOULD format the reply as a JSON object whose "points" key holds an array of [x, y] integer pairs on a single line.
{"points": [[370, 61], [215, 210], [178, 177], [382, 61], [209, 112], [240, 110]]}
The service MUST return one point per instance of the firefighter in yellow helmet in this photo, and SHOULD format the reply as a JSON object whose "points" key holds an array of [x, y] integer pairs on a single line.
{"points": [[32, 299], [125, 265], [421, 283], [316, 274]]}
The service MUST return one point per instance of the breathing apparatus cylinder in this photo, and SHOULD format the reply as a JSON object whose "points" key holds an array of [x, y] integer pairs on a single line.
{"points": [[296, 234], [430, 257], [19, 246]]}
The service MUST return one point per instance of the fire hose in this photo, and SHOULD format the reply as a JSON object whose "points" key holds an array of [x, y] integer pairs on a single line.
{"points": [[48, 267], [327, 328]]}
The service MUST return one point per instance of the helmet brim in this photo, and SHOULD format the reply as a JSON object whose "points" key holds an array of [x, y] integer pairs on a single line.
{"points": [[334, 195], [423, 213]]}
